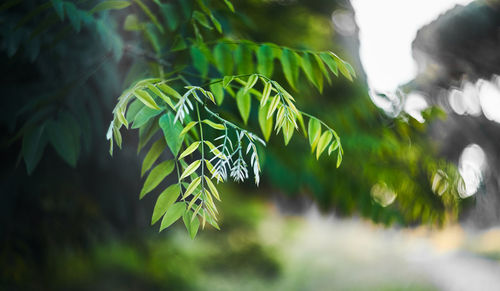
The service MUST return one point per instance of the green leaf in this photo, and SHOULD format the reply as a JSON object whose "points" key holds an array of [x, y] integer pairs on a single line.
{"points": [[157, 175], [169, 91], [244, 62], [154, 153], [164, 201], [214, 125], [64, 135], [109, 5], [290, 64], [266, 124], [146, 99], [200, 62], [266, 93], [229, 5], [218, 92], [330, 62], [144, 115], [133, 110], [252, 80], [265, 63], [188, 127], [339, 158], [192, 223], [288, 130], [170, 15], [346, 69], [172, 132], [58, 7], [189, 149], [190, 169], [216, 23], [309, 70], [173, 213], [314, 132], [323, 142], [150, 14], [223, 58], [192, 186], [212, 188], [333, 146], [227, 80], [73, 15], [132, 23], [244, 103], [202, 19], [146, 132], [33, 145], [322, 68], [273, 105]]}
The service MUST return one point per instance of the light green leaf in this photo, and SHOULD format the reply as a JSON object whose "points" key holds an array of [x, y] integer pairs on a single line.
{"points": [[314, 132], [266, 124], [244, 103], [133, 110], [109, 5], [252, 80], [169, 91], [146, 99], [322, 68], [192, 186], [216, 23], [330, 62], [161, 95], [333, 146], [218, 92], [214, 125], [274, 104], [212, 188], [132, 23], [265, 63], [339, 158], [192, 224], [229, 5], [150, 14], [173, 213], [288, 130], [344, 70], [157, 175], [188, 127], [266, 93], [172, 132], [189, 149], [144, 115], [190, 169], [227, 80], [154, 153], [244, 61], [290, 64], [164, 201], [323, 142], [310, 71]]}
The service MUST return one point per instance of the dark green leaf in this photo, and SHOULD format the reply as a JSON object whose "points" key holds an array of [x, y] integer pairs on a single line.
{"points": [[223, 57], [265, 63], [73, 15], [202, 19], [34, 142], [109, 5], [200, 62], [290, 64], [244, 59], [153, 154], [157, 175], [172, 132], [64, 135], [171, 15], [58, 7]]}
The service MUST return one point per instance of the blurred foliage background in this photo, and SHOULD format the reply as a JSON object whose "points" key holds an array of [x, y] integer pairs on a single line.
{"points": [[77, 224]]}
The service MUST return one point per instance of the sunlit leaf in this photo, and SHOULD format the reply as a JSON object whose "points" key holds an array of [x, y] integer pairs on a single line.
{"points": [[189, 149], [146, 99], [173, 213], [290, 64], [188, 127], [165, 200], [172, 132], [218, 92], [266, 124], [330, 62], [192, 186], [144, 115], [214, 125], [314, 132], [323, 142], [190, 169], [191, 224], [109, 5]]}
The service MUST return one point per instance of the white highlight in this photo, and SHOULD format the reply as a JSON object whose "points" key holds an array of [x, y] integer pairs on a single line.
{"points": [[471, 167]]}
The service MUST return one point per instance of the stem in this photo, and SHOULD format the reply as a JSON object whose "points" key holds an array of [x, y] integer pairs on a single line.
{"points": [[202, 156]]}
